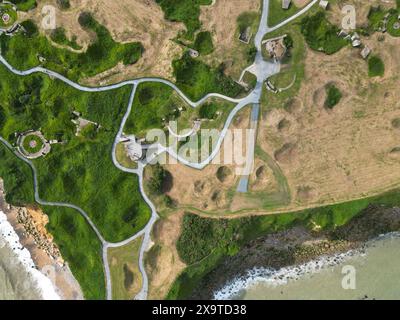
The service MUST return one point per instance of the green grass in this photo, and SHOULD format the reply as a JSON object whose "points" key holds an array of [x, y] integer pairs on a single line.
{"points": [[203, 43], [7, 9], [376, 67], [123, 158], [78, 243], [186, 11], [376, 16], [80, 247], [124, 268], [277, 14], [392, 20], [58, 36], [104, 53], [25, 5], [204, 243], [32, 138], [333, 96], [320, 34], [153, 102], [196, 79], [81, 170]]}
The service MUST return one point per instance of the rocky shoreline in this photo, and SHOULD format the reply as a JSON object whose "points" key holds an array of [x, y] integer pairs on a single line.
{"points": [[29, 224], [298, 246]]}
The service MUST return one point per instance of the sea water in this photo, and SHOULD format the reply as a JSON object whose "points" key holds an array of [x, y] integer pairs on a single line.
{"points": [[19, 278], [370, 273]]}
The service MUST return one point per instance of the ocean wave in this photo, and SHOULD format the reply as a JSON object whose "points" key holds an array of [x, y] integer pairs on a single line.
{"points": [[275, 277], [9, 237]]}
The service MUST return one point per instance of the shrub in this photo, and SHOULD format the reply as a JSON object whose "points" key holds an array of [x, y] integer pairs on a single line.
{"points": [[333, 96], [376, 67], [251, 54], [208, 111], [30, 28], [63, 4], [156, 181], [320, 34], [204, 44]]}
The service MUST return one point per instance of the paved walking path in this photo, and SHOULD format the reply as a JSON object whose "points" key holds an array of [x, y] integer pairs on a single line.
{"points": [[263, 69]]}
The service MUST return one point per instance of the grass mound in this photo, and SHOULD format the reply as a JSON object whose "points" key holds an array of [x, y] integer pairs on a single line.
{"points": [[203, 43], [376, 67], [321, 35], [333, 96]]}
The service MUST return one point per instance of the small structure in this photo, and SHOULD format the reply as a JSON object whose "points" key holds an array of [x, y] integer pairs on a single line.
{"points": [[32, 144], [276, 47], [193, 53], [365, 52], [355, 40], [396, 25], [133, 148], [245, 35], [286, 4], [82, 123], [324, 4], [342, 34]]}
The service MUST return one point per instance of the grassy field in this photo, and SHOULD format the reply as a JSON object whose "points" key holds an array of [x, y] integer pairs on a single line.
{"points": [[204, 243], [125, 275], [37, 144], [186, 11], [277, 14], [156, 101], [80, 170], [78, 243], [22, 51], [123, 158], [196, 79]]}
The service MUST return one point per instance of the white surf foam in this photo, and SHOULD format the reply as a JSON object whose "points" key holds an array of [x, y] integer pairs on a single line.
{"points": [[275, 277], [11, 238]]}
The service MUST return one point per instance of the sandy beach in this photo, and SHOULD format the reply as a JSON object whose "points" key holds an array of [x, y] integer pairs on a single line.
{"points": [[29, 225]]}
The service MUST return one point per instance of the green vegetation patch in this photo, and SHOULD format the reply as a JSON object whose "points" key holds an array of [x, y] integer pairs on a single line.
{"points": [[32, 144], [204, 243], [25, 5], [203, 43], [320, 34], [197, 79], [79, 246], [80, 170], [78, 243], [124, 268], [394, 24], [23, 51], [376, 67], [153, 102], [58, 36], [277, 14], [8, 10], [333, 96], [186, 11]]}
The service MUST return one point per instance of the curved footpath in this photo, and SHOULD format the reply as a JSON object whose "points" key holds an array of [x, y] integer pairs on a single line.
{"points": [[264, 70]]}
